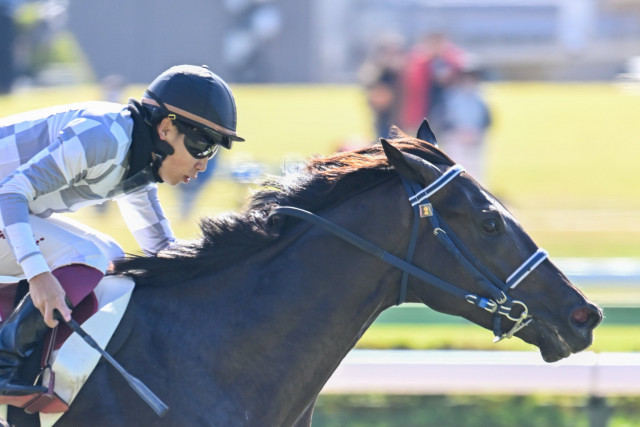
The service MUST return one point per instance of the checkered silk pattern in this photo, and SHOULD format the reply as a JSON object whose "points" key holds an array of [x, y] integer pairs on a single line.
{"points": [[64, 158]]}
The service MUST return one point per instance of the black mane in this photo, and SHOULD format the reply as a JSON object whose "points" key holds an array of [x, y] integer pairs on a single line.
{"points": [[323, 183]]}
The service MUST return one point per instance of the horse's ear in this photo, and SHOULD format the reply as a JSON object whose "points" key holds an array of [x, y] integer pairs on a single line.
{"points": [[409, 166], [426, 134]]}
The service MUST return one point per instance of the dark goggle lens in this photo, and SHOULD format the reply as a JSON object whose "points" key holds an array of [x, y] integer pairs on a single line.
{"points": [[199, 145]]}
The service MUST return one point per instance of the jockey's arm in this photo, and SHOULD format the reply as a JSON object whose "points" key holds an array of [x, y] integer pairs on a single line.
{"points": [[145, 218], [46, 292], [49, 171]]}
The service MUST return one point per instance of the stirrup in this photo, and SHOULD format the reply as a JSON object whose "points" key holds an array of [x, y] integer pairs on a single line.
{"points": [[15, 387]]}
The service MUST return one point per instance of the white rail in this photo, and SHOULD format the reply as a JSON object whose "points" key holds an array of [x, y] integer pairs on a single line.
{"points": [[485, 372], [586, 271]]}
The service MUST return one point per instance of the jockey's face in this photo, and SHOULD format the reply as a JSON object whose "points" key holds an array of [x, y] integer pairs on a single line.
{"points": [[181, 166]]}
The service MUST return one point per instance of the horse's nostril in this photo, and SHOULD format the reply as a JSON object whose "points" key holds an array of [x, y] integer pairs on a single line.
{"points": [[581, 315], [586, 317]]}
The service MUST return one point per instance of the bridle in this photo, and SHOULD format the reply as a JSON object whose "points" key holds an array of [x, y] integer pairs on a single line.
{"points": [[499, 302]]}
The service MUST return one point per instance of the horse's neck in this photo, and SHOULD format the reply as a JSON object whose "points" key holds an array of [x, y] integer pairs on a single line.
{"points": [[315, 300], [274, 328]]}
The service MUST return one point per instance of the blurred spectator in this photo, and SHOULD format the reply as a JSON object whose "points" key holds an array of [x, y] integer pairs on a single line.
{"points": [[41, 51], [7, 41], [432, 66], [467, 118], [381, 77]]}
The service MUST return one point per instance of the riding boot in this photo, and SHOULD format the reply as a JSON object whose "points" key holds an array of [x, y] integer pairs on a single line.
{"points": [[18, 336]]}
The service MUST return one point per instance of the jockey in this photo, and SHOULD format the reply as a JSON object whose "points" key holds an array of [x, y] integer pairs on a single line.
{"points": [[64, 158]]}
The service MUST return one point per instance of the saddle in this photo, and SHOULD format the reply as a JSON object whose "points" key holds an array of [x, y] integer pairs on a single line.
{"points": [[66, 361]]}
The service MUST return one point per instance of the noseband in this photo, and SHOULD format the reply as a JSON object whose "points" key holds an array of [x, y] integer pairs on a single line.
{"points": [[499, 303]]}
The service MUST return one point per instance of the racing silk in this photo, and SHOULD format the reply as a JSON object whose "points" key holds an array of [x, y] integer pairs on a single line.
{"points": [[63, 158]]}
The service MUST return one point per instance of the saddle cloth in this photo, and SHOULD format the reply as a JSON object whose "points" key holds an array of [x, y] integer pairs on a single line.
{"points": [[75, 360]]}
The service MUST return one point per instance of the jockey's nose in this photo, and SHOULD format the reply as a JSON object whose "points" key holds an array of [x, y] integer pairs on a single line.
{"points": [[201, 164]]}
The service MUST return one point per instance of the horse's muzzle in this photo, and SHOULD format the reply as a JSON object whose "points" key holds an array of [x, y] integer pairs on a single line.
{"points": [[559, 340], [583, 320]]}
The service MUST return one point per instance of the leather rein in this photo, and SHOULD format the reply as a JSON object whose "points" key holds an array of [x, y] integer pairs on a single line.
{"points": [[499, 303]]}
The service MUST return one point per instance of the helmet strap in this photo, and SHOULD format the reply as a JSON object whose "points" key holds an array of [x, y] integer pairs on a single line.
{"points": [[160, 146], [147, 149]]}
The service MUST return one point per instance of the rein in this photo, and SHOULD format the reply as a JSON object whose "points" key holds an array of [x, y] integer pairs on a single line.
{"points": [[499, 303]]}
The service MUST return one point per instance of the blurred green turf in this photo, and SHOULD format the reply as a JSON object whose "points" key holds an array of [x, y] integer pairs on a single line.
{"points": [[561, 156], [618, 338], [414, 326]]}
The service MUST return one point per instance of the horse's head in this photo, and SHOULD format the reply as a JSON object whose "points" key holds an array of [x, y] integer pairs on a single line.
{"points": [[499, 278]]}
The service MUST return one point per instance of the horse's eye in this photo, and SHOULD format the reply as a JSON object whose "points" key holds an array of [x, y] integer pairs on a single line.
{"points": [[490, 226]]}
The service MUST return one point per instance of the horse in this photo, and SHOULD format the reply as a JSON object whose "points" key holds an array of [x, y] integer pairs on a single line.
{"points": [[244, 325]]}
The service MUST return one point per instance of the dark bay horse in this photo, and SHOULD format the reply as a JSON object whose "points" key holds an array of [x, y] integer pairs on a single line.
{"points": [[244, 326]]}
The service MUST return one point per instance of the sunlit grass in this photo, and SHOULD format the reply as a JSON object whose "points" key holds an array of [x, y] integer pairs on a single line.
{"points": [[561, 156], [446, 337], [565, 145]]}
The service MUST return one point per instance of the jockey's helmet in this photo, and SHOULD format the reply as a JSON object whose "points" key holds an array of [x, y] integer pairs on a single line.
{"points": [[196, 97]]}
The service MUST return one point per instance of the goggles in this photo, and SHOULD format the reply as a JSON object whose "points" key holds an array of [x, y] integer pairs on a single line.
{"points": [[199, 144]]}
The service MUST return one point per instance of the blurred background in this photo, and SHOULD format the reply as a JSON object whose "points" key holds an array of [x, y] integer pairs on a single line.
{"points": [[538, 99]]}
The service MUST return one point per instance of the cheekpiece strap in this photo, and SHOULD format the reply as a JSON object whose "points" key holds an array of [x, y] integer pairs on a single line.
{"points": [[411, 188]]}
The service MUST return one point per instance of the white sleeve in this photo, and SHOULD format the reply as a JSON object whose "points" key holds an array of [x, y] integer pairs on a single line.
{"points": [[143, 214]]}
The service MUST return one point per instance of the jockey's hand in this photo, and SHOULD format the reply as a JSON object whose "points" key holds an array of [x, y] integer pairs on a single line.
{"points": [[47, 295]]}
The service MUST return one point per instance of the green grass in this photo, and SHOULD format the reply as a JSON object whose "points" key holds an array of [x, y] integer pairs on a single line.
{"points": [[561, 156], [414, 326], [569, 146], [278, 121], [470, 337], [376, 410]]}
